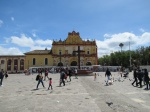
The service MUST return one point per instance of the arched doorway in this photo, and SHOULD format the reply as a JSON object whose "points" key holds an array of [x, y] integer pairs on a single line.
{"points": [[88, 63], [73, 63], [60, 64]]}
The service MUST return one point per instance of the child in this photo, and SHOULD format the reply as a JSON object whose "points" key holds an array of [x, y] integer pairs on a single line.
{"points": [[6, 74], [50, 83], [46, 75], [95, 77]]}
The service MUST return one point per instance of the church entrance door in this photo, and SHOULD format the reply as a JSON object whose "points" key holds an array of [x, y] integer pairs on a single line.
{"points": [[88, 63], [60, 64], [73, 63]]}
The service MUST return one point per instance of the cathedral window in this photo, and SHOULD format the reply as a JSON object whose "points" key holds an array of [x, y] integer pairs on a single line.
{"points": [[2, 61], [34, 61], [66, 51], [21, 64], [59, 52], [46, 61]]}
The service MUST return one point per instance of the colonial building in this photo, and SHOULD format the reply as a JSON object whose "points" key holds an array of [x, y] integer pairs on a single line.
{"points": [[64, 53], [12, 63], [38, 58]]}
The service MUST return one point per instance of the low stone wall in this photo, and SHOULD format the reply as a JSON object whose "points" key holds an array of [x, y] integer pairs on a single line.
{"points": [[145, 67]]}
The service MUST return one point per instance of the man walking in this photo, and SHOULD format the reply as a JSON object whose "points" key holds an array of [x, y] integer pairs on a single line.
{"points": [[140, 76], [40, 81], [108, 73], [62, 77], [1, 77], [135, 78]]}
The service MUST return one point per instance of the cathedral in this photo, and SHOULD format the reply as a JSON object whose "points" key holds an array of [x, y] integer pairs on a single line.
{"points": [[69, 52]]}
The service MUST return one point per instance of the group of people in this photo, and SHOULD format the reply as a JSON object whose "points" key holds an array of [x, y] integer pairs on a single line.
{"points": [[64, 74], [141, 76], [39, 78]]}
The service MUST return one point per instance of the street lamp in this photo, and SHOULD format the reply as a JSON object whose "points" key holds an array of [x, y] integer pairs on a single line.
{"points": [[121, 45], [129, 52]]}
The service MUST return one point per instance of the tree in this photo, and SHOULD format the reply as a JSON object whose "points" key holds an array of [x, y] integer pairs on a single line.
{"points": [[140, 56]]}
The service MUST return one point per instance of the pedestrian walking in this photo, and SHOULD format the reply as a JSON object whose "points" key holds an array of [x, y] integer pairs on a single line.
{"points": [[46, 75], [135, 78], [70, 74], [76, 72], [66, 74], [1, 77], [146, 79], [143, 76], [50, 84], [140, 76], [40, 80], [6, 75], [95, 75], [62, 77], [121, 71], [108, 74]]}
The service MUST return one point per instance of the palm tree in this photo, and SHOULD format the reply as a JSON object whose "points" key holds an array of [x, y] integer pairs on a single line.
{"points": [[121, 45]]}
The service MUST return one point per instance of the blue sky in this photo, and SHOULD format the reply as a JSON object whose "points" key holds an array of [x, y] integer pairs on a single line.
{"points": [[27, 25]]}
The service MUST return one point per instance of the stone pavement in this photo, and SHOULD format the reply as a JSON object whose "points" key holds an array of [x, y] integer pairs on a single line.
{"points": [[80, 95]]}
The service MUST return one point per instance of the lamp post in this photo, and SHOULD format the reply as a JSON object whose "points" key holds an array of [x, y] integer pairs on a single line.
{"points": [[60, 56], [129, 52], [121, 45]]}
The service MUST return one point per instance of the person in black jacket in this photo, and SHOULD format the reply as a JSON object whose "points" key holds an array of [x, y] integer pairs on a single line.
{"points": [[1, 77], [140, 76], [146, 79], [62, 77], [135, 78], [107, 73], [70, 74]]}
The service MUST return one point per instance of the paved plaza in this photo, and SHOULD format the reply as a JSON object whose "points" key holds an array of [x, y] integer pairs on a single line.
{"points": [[19, 94]]}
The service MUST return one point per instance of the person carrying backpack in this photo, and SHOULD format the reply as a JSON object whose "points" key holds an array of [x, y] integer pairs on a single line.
{"points": [[108, 74], [40, 80]]}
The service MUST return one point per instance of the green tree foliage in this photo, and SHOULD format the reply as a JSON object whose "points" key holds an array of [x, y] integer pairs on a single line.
{"points": [[141, 56]]}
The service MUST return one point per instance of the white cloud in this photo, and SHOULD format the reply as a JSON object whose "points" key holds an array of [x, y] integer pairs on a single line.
{"points": [[12, 18], [142, 30], [22, 41], [10, 51], [111, 44], [43, 42], [39, 48], [7, 40], [106, 46], [1, 22], [34, 35]]}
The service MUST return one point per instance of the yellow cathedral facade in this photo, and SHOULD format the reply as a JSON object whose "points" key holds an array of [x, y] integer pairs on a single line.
{"points": [[63, 53]]}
